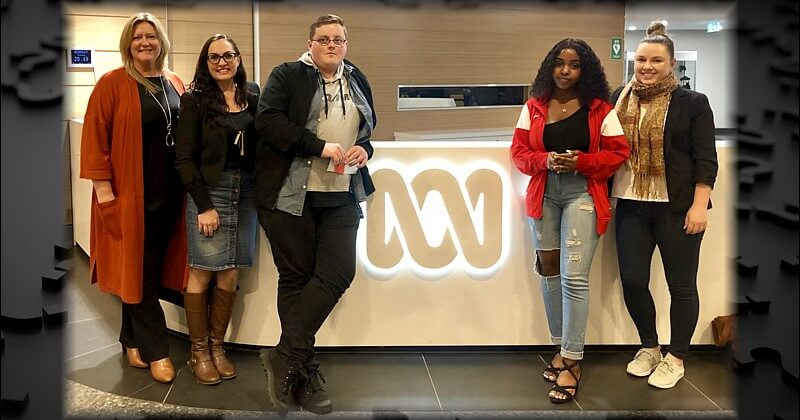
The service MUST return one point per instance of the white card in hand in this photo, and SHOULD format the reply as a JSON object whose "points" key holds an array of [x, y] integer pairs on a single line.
{"points": [[344, 168]]}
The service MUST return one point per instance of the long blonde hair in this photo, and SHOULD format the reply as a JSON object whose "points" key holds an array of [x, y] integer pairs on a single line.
{"points": [[125, 40]]}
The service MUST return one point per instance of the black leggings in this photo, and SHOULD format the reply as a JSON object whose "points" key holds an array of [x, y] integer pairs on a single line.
{"points": [[640, 227]]}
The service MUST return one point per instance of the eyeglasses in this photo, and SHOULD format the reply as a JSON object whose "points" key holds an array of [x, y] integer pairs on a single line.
{"points": [[228, 57], [325, 41]]}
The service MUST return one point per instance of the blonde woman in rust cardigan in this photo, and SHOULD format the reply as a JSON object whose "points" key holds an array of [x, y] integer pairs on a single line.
{"points": [[138, 233]]}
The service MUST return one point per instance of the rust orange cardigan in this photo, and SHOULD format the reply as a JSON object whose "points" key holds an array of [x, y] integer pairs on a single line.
{"points": [[111, 149]]}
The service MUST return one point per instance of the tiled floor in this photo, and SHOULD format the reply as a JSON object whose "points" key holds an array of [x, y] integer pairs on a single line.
{"points": [[473, 381]]}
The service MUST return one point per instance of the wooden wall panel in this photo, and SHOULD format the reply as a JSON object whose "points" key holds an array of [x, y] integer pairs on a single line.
{"points": [[114, 9], [98, 25], [395, 46], [502, 44]]}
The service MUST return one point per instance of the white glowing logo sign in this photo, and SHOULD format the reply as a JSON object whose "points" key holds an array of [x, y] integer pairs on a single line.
{"points": [[434, 217]]}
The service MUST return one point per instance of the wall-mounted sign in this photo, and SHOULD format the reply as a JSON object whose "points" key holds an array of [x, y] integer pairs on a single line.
{"points": [[80, 57], [616, 48], [435, 216]]}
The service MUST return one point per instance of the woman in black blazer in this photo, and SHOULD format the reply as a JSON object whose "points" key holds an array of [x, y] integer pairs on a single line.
{"points": [[663, 196], [215, 154]]}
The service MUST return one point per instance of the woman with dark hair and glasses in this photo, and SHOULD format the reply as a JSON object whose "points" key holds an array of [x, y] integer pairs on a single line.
{"points": [[569, 140], [215, 159], [138, 241]]}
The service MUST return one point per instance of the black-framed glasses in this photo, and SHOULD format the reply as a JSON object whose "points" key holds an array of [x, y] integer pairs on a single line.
{"points": [[228, 57], [325, 41]]}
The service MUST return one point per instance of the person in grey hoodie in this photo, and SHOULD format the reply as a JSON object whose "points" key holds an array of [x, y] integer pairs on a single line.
{"points": [[315, 117]]}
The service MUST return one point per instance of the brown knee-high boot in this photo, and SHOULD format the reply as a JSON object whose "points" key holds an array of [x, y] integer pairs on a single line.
{"points": [[196, 306], [221, 308]]}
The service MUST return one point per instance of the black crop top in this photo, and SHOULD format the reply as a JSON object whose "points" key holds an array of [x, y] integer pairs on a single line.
{"points": [[571, 133]]}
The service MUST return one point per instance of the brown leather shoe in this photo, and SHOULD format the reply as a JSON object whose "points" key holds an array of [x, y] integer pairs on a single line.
{"points": [[196, 307], [221, 308], [134, 358], [162, 370]]}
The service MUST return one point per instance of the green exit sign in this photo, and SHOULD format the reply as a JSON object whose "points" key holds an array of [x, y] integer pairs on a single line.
{"points": [[616, 48]]}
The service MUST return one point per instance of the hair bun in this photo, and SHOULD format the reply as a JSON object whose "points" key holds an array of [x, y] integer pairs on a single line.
{"points": [[656, 27]]}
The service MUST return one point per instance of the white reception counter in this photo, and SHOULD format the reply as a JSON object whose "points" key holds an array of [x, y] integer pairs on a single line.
{"points": [[445, 258]]}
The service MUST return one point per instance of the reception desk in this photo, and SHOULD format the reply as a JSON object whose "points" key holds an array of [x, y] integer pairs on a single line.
{"points": [[445, 258]]}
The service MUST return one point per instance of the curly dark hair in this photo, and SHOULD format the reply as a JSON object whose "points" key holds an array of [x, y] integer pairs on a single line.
{"points": [[592, 83], [207, 93]]}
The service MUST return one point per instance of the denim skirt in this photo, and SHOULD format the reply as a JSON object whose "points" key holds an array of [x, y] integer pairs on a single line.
{"points": [[233, 243]]}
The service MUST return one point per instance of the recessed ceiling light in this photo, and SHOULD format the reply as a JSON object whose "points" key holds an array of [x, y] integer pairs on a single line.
{"points": [[632, 28]]}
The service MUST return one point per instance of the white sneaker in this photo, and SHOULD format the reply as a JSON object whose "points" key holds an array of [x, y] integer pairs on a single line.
{"points": [[667, 374], [645, 362]]}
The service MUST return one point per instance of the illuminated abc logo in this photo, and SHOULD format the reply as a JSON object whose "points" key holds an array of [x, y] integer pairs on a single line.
{"points": [[434, 222]]}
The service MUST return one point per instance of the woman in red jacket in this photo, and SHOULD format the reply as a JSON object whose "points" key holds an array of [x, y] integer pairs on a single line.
{"points": [[138, 234], [569, 140]]}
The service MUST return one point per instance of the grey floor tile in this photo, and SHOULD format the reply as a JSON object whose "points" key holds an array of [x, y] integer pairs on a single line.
{"points": [[84, 300], [713, 374], [154, 391], [606, 386], [90, 335], [94, 359], [377, 382], [491, 381], [245, 392]]}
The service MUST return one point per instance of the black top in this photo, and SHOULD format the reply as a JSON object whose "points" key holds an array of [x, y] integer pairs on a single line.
{"points": [[235, 159], [571, 133], [328, 199], [204, 149], [162, 187]]}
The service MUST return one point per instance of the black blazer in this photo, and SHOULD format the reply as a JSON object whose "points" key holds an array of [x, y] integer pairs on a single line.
{"points": [[201, 148], [690, 154], [281, 118]]}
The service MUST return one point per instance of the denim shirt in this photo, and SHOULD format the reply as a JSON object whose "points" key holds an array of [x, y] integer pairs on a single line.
{"points": [[292, 195]]}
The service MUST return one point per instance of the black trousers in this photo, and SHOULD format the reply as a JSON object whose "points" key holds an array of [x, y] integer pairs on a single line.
{"points": [[640, 227], [143, 324], [316, 259]]}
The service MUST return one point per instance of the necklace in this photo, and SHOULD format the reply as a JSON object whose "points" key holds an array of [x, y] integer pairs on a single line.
{"points": [[563, 106], [169, 140]]}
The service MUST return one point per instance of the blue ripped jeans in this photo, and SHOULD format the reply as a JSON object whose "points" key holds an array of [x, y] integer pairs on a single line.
{"points": [[568, 224]]}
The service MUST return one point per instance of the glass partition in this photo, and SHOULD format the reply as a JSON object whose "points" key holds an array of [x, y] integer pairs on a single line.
{"points": [[420, 97]]}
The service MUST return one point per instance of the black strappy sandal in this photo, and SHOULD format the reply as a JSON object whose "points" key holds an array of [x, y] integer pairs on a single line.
{"points": [[552, 369], [565, 389]]}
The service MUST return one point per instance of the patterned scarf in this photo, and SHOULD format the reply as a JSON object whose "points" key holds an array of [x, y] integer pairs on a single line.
{"points": [[646, 139]]}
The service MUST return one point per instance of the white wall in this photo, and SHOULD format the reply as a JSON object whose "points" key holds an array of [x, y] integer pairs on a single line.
{"points": [[716, 67]]}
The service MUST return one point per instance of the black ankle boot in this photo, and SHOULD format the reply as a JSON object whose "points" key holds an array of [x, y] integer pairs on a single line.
{"points": [[284, 379], [312, 396]]}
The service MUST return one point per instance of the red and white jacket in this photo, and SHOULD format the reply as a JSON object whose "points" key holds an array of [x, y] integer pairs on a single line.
{"points": [[608, 149]]}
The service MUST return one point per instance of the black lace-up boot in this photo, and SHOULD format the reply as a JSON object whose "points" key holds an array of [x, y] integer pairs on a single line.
{"points": [[283, 380], [312, 396]]}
